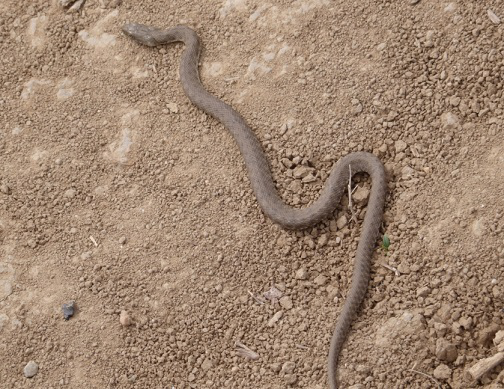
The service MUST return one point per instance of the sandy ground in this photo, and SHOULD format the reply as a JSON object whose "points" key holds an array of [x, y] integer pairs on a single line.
{"points": [[117, 193]]}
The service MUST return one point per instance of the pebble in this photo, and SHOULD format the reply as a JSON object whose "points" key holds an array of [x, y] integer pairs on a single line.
{"points": [[449, 120], [275, 367], [400, 145], [207, 364], [277, 316], [173, 107], [68, 310], [446, 351], [290, 379], [302, 171], [413, 2], [302, 273], [442, 372], [341, 222], [125, 319], [4, 188], [70, 193], [122, 240], [320, 280], [288, 367], [499, 338], [286, 302], [423, 291], [361, 195], [30, 369]]}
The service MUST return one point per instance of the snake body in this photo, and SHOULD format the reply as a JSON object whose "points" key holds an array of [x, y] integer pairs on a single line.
{"points": [[264, 187]]}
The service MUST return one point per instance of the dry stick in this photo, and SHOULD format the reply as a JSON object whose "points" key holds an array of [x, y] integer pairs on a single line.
{"points": [[428, 376], [354, 218], [483, 366], [391, 268]]}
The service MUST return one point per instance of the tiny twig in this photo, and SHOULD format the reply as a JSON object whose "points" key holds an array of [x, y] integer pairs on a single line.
{"points": [[354, 218], [391, 268], [245, 351], [428, 376], [255, 298], [94, 241]]}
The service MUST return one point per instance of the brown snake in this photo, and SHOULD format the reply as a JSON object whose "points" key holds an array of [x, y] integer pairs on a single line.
{"points": [[262, 182]]}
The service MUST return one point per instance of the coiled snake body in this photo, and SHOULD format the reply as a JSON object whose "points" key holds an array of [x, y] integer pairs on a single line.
{"points": [[262, 182]]}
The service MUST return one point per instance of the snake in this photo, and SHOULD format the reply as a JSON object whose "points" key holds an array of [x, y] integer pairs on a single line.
{"points": [[263, 185]]}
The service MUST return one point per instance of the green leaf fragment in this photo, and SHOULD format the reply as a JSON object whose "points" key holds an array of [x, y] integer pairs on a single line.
{"points": [[386, 242]]}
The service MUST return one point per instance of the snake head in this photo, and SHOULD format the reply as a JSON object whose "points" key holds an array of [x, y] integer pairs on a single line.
{"points": [[149, 36]]}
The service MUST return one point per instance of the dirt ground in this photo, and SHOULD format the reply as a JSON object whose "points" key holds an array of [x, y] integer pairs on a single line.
{"points": [[117, 193]]}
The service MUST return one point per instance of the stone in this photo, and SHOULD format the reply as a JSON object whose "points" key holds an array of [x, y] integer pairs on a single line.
{"points": [[320, 280], [396, 327], [442, 372], [423, 291], [5, 189], [361, 195], [446, 351], [288, 367], [449, 121], [302, 171], [207, 364], [286, 302], [302, 273], [30, 369], [400, 145], [68, 310], [276, 317], [341, 222], [125, 319], [70, 193]]}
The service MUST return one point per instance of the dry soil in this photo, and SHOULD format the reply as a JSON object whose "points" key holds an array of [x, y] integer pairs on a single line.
{"points": [[117, 193]]}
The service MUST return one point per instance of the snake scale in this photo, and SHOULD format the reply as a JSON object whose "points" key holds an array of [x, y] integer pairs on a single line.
{"points": [[259, 173]]}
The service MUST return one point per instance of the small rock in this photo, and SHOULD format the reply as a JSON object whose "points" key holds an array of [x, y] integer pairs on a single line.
{"points": [[286, 302], [122, 240], [341, 222], [423, 292], [322, 241], [320, 280], [442, 372], [4, 188], [275, 367], [68, 310], [302, 273], [290, 379], [30, 369], [486, 335], [277, 316], [361, 195], [173, 107], [449, 121], [413, 2], [381, 46], [302, 171], [288, 367], [400, 145], [125, 319], [70, 193], [493, 17], [499, 338], [273, 294], [207, 364], [446, 351]]}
